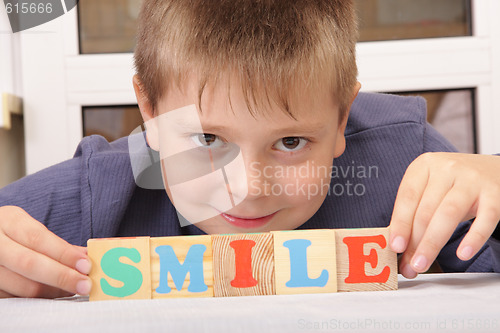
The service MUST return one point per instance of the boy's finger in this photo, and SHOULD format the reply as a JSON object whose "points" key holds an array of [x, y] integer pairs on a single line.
{"points": [[4, 294], [407, 199], [32, 234], [82, 249], [484, 224], [417, 234], [450, 212], [40, 268], [13, 284], [436, 189]]}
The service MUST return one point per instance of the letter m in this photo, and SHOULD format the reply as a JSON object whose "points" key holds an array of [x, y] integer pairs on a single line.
{"points": [[193, 263]]}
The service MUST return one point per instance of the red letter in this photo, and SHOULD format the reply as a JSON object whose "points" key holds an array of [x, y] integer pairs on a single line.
{"points": [[243, 262], [357, 259]]}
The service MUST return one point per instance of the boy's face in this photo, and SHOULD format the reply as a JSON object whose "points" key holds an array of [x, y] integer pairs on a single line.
{"points": [[277, 168]]}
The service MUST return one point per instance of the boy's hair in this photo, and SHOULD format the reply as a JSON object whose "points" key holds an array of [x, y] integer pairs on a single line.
{"points": [[275, 47]]}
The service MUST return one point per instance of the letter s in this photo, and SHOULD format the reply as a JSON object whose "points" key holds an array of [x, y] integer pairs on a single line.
{"points": [[130, 276]]}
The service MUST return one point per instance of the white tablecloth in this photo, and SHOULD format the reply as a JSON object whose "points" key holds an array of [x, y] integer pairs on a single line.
{"points": [[431, 303]]}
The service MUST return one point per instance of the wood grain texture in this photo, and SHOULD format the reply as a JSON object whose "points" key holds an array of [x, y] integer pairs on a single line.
{"points": [[320, 257], [181, 246], [381, 255], [262, 265], [97, 248]]}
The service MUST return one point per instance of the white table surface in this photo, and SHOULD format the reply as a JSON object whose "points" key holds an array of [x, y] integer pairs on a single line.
{"points": [[462, 302]]}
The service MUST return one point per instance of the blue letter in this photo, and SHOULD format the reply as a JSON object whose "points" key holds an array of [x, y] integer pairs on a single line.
{"points": [[193, 264], [298, 265], [130, 276]]}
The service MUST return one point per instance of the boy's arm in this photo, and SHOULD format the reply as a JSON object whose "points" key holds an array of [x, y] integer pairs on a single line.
{"points": [[34, 261], [438, 191], [41, 215], [62, 205]]}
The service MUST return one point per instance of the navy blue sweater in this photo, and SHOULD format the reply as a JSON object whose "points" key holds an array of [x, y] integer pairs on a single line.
{"points": [[95, 195]]}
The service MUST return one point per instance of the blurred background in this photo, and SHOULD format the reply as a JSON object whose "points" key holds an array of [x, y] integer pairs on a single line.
{"points": [[73, 75]]}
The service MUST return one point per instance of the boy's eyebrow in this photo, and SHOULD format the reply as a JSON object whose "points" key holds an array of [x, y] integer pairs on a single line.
{"points": [[303, 129], [194, 125], [189, 124]]}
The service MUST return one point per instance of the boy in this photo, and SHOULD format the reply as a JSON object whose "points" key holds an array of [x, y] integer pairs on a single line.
{"points": [[258, 93]]}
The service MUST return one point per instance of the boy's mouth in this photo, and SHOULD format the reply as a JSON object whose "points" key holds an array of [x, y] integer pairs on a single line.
{"points": [[247, 222]]}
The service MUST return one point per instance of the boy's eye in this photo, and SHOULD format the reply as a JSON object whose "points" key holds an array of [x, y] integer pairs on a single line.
{"points": [[291, 143], [207, 140]]}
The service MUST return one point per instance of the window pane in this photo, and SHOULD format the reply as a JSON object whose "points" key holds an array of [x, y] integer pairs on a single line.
{"points": [[112, 122], [107, 26], [451, 113], [407, 19]]}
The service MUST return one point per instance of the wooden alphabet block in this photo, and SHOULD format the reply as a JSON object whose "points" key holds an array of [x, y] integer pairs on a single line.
{"points": [[305, 261], [280, 262], [365, 261], [120, 268], [181, 266], [243, 264]]}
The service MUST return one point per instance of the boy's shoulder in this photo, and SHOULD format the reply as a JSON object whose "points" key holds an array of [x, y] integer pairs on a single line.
{"points": [[375, 110], [97, 146], [129, 157]]}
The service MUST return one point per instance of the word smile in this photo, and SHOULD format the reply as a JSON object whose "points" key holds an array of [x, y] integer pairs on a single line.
{"points": [[279, 262]]}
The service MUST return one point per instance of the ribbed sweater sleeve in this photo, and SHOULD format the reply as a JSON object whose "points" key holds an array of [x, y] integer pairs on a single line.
{"points": [[51, 197], [81, 198]]}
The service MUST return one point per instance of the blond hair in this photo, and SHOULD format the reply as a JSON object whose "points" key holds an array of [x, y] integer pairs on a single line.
{"points": [[274, 46]]}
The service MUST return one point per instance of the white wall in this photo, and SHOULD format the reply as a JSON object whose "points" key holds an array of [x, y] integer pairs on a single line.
{"points": [[12, 152]]}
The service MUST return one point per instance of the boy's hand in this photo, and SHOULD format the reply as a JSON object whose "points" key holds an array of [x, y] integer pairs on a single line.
{"points": [[34, 262], [438, 191]]}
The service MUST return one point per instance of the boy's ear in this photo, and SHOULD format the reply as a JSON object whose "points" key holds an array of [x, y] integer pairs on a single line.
{"points": [[147, 113], [340, 143]]}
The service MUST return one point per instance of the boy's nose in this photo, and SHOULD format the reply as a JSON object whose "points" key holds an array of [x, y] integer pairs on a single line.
{"points": [[253, 185]]}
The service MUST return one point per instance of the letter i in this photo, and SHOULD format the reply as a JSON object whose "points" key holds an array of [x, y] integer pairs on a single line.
{"points": [[243, 263]]}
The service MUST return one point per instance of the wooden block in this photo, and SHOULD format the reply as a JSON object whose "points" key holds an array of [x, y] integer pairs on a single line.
{"points": [[120, 268], [365, 261], [305, 261], [243, 264], [181, 266]]}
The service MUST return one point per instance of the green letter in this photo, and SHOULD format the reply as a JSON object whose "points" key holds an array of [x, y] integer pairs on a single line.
{"points": [[130, 276]]}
